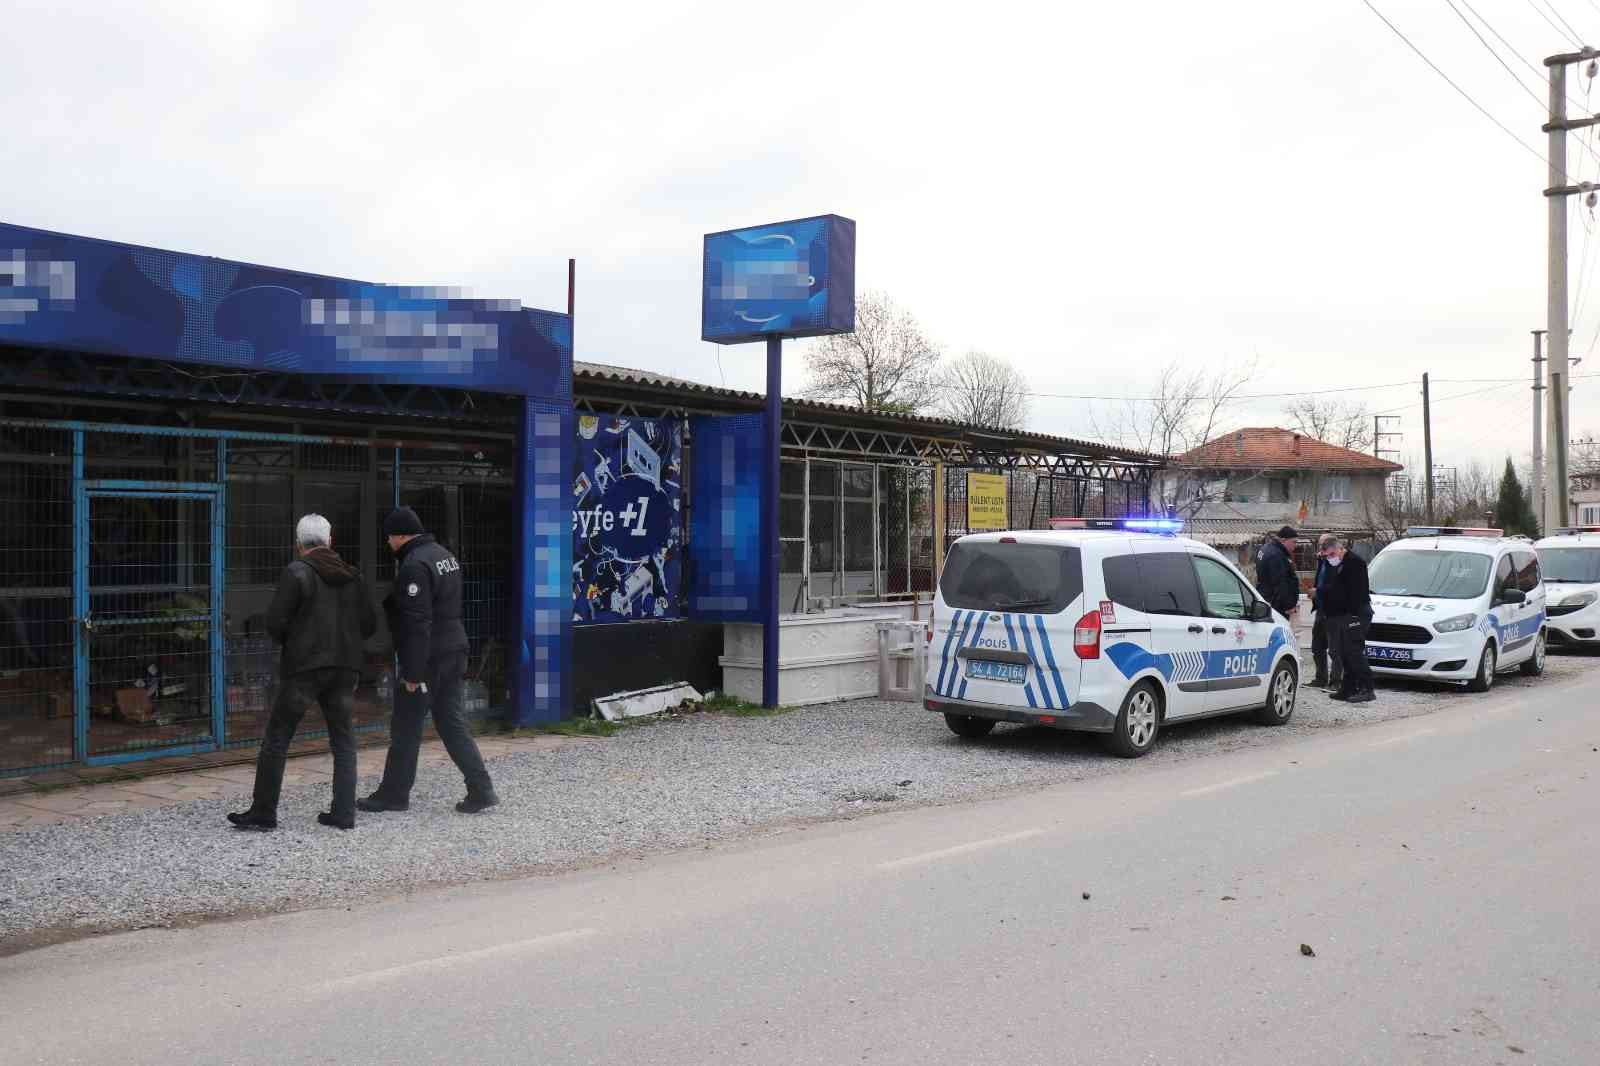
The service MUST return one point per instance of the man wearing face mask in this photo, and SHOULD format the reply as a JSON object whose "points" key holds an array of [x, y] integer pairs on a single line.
{"points": [[1348, 601]]}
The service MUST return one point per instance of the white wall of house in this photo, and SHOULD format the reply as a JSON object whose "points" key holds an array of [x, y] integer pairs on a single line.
{"points": [[1269, 495]]}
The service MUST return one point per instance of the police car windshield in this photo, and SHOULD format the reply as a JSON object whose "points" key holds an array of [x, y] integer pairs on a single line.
{"points": [[989, 576], [1431, 575], [1570, 565]]}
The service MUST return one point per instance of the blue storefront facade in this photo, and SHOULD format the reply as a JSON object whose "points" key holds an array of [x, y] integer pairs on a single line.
{"points": [[165, 417]]}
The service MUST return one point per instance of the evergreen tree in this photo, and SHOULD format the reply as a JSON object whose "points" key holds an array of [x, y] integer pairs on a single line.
{"points": [[1512, 511]]}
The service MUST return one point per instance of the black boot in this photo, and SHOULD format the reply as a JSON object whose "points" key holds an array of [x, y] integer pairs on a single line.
{"points": [[1320, 681], [1342, 694], [1365, 695], [253, 819], [376, 804], [477, 804], [327, 818]]}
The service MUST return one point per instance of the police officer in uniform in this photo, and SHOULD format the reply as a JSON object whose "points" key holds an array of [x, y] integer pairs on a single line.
{"points": [[424, 611]]}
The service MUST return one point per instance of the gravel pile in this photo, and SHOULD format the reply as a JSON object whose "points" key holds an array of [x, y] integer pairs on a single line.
{"points": [[658, 786]]}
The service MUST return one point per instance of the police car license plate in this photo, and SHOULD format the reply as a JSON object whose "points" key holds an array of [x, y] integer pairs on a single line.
{"points": [[989, 670], [1393, 655]]}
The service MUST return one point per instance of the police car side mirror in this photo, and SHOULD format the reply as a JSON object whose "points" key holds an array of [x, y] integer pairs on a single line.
{"points": [[1513, 596], [1261, 611]]}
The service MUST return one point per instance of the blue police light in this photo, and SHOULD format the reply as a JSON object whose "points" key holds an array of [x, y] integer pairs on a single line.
{"points": [[1140, 525], [1154, 525]]}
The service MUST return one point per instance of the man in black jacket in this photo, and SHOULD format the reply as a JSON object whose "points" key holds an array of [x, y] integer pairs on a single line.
{"points": [[1348, 600], [322, 615], [1276, 578], [424, 613], [1325, 650]]}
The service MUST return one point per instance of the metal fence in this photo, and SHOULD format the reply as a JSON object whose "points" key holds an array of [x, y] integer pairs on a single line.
{"points": [[1033, 498], [137, 564]]}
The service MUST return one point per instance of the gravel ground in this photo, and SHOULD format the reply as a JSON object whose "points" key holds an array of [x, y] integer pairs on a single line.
{"points": [[685, 781]]}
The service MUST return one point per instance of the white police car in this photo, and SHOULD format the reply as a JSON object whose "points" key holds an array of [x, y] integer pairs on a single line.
{"points": [[1454, 604], [1569, 560], [1113, 626]]}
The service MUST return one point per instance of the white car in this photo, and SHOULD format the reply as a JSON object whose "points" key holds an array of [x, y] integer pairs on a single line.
{"points": [[1113, 626], [1456, 604], [1570, 562]]}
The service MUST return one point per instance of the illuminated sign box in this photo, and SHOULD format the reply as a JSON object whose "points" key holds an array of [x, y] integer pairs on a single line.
{"points": [[788, 279]]}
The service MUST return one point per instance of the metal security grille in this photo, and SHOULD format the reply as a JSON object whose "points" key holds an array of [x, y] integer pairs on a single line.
{"points": [[137, 564]]}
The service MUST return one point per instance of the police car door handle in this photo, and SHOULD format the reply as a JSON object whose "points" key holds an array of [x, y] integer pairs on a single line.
{"points": [[1219, 629], [1197, 629]]}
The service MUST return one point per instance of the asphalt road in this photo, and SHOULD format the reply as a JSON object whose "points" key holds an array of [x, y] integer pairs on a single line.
{"points": [[1442, 869]]}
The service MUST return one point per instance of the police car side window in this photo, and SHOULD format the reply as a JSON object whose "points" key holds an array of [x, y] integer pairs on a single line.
{"points": [[1527, 565], [1169, 585], [1124, 586], [1224, 596], [1505, 576]]}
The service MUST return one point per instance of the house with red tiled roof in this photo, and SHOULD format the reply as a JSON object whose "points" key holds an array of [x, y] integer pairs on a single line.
{"points": [[1274, 477]]}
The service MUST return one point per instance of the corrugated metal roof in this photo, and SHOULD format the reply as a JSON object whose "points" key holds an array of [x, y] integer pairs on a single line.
{"points": [[584, 370]]}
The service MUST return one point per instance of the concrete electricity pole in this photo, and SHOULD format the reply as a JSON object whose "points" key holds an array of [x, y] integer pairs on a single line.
{"points": [[1555, 503], [1427, 450], [1537, 488]]}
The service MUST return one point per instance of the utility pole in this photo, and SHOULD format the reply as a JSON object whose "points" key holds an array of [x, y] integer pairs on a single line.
{"points": [[1427, 451], [1537, 488], [1556, 193]]}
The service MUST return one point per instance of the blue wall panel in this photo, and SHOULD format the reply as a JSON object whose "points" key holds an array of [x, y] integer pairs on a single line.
{"points": [[725, 518]]}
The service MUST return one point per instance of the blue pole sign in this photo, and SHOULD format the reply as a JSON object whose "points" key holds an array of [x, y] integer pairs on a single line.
{"points": [[786, 279]]}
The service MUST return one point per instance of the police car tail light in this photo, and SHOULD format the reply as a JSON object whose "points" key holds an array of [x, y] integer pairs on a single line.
{"points": [[1457, 624], [1086, 636]]}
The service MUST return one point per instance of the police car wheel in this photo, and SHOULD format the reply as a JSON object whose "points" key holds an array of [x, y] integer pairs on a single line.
{"points": [[1281, 693], [1138, 723], [1488, 663], [1534, 666], [964, 725]]}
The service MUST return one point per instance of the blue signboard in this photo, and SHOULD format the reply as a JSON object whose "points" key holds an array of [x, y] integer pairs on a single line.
{"points": [[788, 279], [627, 519], [725, 518], [64, 292]]}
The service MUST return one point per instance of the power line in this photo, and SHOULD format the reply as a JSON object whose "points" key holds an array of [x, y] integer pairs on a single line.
{"points": [[1567, 33], [1464, 94], [1542, 105], [1539, 76]]}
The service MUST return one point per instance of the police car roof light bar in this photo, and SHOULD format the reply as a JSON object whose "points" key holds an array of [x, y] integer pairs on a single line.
{"points": [[1453, 531], [1138, 525], [1567, 531]]}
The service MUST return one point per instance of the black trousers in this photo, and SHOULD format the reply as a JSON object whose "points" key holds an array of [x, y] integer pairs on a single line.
{"points": [[332, 689], [445, 697], [1350, 633], [1325, 652]]}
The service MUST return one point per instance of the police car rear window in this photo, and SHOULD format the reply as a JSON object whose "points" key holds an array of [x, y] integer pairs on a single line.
{"points": [[1031, 578], [1430, 574], [1570, 565]]}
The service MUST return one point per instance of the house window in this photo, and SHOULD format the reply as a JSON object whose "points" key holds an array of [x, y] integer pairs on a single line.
{"points": [[1338, 490], [1278, 490], [1589, 514]]}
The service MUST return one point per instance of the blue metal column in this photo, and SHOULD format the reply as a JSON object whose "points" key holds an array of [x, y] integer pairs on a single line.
{"points": [[80, 604], [771, 558]]}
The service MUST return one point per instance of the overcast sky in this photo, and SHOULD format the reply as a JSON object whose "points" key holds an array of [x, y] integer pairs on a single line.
{"points": [[1087, 190]]}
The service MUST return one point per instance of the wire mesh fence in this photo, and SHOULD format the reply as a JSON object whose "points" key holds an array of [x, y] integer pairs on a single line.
{"points": [[133, 596]]}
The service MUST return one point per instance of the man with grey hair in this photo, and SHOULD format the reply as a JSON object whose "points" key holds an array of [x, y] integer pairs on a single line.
{"points": [[322, 614], [1326, 652]]}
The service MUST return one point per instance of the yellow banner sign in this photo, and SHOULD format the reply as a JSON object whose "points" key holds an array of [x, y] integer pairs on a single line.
{"points": [[986, 502]]}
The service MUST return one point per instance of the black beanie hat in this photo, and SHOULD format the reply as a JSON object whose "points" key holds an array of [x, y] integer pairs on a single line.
{"points": [[1286, 533], [402, 522]]}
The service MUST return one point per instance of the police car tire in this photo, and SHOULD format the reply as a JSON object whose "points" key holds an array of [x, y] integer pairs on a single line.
{"points": [[1534, 665], [1488, 663], [1267, 714], [1119, 741], [965, 725]]}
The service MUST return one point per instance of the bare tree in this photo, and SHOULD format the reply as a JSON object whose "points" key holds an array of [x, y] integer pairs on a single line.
{"points": [[1186, 409], [1347, 425], [887, 364], [983, 390]]}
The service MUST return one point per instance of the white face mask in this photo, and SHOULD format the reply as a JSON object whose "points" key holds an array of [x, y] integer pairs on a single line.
{"points": [[1335, 560]]}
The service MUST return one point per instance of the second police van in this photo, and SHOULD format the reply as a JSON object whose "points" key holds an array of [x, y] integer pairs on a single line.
{"points": [[1453, 604], [1113, 626], [1569, 560]]}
